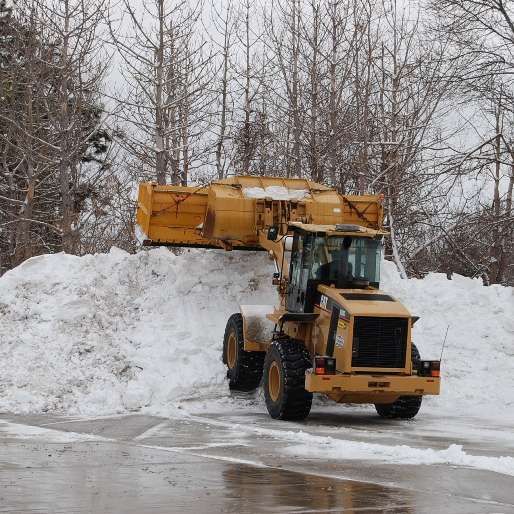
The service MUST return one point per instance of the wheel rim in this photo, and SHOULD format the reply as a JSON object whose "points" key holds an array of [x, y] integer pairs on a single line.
{"points": [[232, 350], [274, 381]]}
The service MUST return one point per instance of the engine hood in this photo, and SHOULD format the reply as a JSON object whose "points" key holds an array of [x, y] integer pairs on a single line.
{"points": [[366, 302]]}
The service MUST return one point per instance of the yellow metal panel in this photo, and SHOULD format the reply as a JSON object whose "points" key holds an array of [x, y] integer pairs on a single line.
{"points": [[372, 384]]}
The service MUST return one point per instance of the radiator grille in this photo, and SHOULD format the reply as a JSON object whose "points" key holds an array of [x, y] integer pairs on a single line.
{"points": [[379, 342]]}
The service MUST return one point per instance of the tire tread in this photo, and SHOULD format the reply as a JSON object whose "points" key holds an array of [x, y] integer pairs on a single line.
{"points": [[405, 407], [247, 374], [294, 360]]}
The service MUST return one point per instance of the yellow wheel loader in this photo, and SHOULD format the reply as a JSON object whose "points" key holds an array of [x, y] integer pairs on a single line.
{"points": [[334, 331]]}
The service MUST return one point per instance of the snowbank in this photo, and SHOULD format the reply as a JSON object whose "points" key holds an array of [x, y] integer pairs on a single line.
{"points": [[114, 333], [311, 446], [478, 359], [118, 332]]}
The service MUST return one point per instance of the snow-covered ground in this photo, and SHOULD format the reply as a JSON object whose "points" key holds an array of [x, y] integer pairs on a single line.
{"points": [[117, 333]]}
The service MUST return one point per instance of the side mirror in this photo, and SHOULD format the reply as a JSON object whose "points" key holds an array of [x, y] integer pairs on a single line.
{"points": [[273, 233]]}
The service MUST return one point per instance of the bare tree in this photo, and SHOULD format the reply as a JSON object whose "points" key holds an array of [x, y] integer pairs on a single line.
{"points": [[341, 54], [283, 36], [77, 74], [481, 34], [166, 72], [225, 22], [51, 125]]}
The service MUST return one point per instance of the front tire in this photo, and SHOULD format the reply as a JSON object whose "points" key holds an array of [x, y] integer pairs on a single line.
{"points": [[244, 369], [406, 407], [285, 365]]}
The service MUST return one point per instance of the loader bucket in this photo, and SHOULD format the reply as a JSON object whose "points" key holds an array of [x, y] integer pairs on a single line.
{"points": [[230, 213]]}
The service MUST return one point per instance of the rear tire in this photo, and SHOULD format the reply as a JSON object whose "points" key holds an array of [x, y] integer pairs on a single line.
{"points": [[406, 407], [244, 369], [284, 380]]}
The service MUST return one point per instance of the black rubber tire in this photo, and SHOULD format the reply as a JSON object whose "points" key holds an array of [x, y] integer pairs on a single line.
{"points": [[292, 359], [406, 407], [246, 374]]}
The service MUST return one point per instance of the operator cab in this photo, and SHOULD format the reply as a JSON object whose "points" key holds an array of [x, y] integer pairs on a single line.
{"points": [[343, 259]]}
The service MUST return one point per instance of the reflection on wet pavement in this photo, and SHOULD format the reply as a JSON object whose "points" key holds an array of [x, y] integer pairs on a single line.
{"points": [[286, 491]]}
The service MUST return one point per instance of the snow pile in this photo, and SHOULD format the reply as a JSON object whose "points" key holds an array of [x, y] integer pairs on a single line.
{"points": [[118, 332], [478, 360], [115, 333], [275, 193], [336, 449]]}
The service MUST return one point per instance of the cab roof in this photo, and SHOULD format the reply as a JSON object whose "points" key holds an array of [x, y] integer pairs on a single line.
{"points": [[342, 229]]}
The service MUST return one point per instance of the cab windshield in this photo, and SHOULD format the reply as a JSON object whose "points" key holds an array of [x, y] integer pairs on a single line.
{"points": [[346, 261]]}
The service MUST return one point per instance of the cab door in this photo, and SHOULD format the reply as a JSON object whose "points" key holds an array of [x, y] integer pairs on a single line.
{"points": [[299, 271]]}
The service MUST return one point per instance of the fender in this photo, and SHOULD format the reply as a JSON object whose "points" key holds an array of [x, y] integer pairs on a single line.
{"points": [[257, 328]]}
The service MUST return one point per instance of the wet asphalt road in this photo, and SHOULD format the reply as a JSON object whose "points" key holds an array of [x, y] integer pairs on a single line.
{"points": [[200, 464]]}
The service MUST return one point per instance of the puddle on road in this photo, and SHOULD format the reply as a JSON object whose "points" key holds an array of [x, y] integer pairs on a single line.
{"points": [[275, 490]]}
